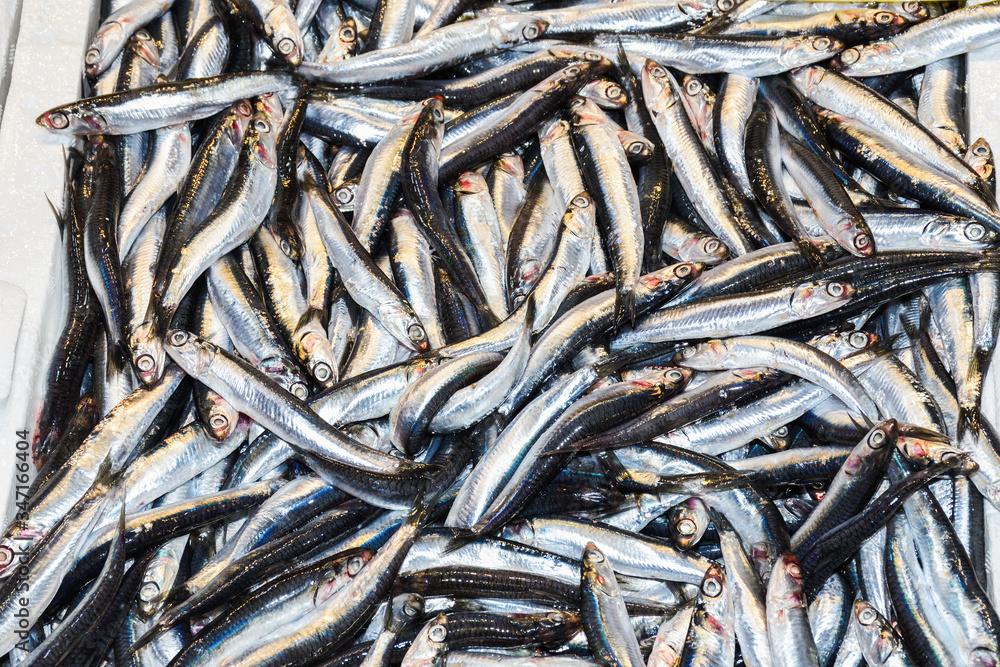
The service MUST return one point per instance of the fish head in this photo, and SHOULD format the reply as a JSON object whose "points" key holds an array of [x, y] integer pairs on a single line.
{"points": [[194, 355], [983, 657], [807, 79], [881, 21], [706, 249], [347, 36], [285, 36], [668, 381], [859, 58], [815, 298], [512, 164], [430, 645], [406, 608], [314, 348], [221, 418], [470, 183], [877, 639], [669, 278], [779, 440], [785, 586], [807, 49], [285, 375], [404, 325], [597, 571], [148, 356], [259, 141], [144, 46], [606, 93], [339, 573], [552, 129], [522, 531], [710, 355], [636, 146], [913, 10], [73, 119], [104, 48], [657, 88]]}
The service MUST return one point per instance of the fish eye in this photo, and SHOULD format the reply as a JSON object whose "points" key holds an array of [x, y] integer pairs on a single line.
{"points": [[148, 591], [322, 372], [6, 555], [410, 608], [867, 616], [93, 56], [437, 114], [286, 46], [861, 241], [261, 125], [595, 556], [299, 390], [179, 338], [438, 633], [144, 363], [530, 31], [219, 422], [343, 195], [636, 148], [613, 91], [884, 18], [285, 247], [555, 617], [711, 245], [674, 375], [877, 439], [682, 270], [726, 5], [693, 86], [858, 340], [712, 587], [572, 70], [912, 7], [794, 569], [347, 34], [686, 527], [975, 232], [688, 352], [354, 566], [416, 333], [658, 72], [581, 201], [835, 289], [142, 34], [850, 56], [58, 120], [822, 43], [244, 108], [781, 432], [981, 150]]}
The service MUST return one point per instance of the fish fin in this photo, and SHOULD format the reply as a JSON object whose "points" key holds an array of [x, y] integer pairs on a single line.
{"points": [[610, 364], [60, 216], [461, 537]]}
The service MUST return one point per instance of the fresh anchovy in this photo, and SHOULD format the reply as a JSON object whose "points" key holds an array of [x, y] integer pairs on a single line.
{"points": [[616, 199], [161, 104], [605, 618], [944, 36], [426, 53], [749, 56], [692, 165], [111, 36], [724, 316], [795, 358]]}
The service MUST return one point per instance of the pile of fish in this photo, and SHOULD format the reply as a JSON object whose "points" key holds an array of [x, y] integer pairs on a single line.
{"points": [[547, 333]]}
